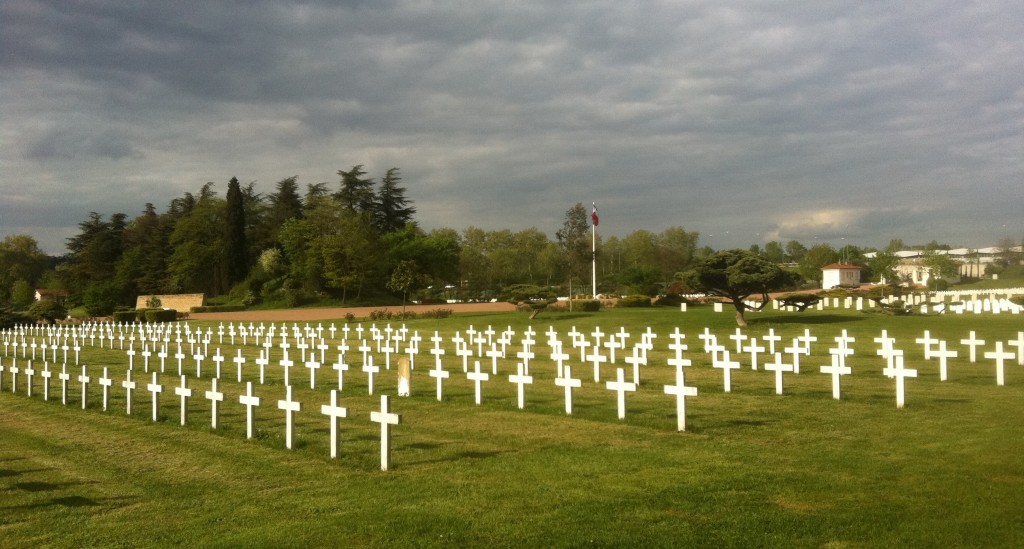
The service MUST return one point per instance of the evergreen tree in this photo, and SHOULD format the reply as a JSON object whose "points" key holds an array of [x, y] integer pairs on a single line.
{"points": [[574, 242], [285, 204], [235, 248], [356, 194], [393, 208]]}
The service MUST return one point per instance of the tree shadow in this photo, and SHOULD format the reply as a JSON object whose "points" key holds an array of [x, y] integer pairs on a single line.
{"points": [[811, 319]]}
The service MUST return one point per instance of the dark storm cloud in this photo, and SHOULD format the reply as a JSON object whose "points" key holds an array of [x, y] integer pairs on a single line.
{"points": [[744, 121]]}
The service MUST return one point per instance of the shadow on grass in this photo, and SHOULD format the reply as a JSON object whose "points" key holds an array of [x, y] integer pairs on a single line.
{"points": [[814, 319], [77, 501]]}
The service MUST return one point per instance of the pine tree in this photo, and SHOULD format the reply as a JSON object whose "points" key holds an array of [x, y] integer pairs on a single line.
{"points": [[356, 194], [393, 209], [235, 246]]}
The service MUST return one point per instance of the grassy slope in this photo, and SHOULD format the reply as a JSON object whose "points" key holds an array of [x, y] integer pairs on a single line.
{"points": [[753, 468]]}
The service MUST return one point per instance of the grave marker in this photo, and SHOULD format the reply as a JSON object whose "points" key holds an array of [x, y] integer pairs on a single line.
{"points": [[334, 412], [84, 379], [778, 367], [726, 365], [569, 383], [837, 369], [477, 377], [1000, 357], [184, 392], [386, 420], [521, 380], [129, 386], [621, 387], [943, 355], [64, 379], [250, 401], [680, 391], [290, 407], [440, 375], [900, 373], [370, 370], [973, 343], [215, 397], [155, 389]]}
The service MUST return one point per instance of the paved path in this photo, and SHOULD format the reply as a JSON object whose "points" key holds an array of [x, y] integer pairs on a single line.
{"points": [[337, 313]]}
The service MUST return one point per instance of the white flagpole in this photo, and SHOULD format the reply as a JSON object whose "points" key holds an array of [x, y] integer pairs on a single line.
{"points": [[593, 256]]}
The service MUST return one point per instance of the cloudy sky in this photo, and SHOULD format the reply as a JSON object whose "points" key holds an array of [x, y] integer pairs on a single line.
{"points": [[846, 122]]}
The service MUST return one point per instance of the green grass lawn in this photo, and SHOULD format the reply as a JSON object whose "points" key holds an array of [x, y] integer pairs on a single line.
{"points": [[753, 468]]}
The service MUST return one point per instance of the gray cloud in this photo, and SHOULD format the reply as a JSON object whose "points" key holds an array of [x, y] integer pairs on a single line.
{"points": [[742, 121]]}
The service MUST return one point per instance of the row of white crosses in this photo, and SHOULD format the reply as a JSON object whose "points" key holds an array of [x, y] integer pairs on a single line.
{"points": [[333, 410], [721, 356]]}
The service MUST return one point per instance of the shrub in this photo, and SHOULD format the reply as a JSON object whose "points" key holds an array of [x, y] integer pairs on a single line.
{"points": [[634, 301], [218, 309], [161, 315], [349, 318], [586, 305], [380, 314], [124, 317], [47, 311], [437, 313], [101, 298], [670, 300]]}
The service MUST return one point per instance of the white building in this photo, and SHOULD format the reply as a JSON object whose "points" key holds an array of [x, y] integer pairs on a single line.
{"points": [[840, 274]]}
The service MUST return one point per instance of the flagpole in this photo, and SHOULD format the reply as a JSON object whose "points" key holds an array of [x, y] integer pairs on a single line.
{"points": [[593, 253]]}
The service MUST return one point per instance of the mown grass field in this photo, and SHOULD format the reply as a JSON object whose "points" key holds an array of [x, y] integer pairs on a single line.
{"points": [[752, 469]]}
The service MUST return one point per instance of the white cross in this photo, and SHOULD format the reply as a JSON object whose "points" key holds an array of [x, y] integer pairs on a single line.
{"points": [[250, 401], [558, 356], [218, 359], [155, 389], [597, 358], [973, 342], [754, 349], [163, 358], [14, 376], [943, 355], [494, 354], [521, 380], [726, 366], [333, 413], [778, 367], [184, 392], [46, 373], [680, 391], [313, 366], [621, 387], [635, 361], [807, 339], [568, 382], [84, 379], [612, 344], [64, 379], [370, 369], [215, 397], [1019, 344], [1000, 357], [708, 338], [341, 367], [900, 373], [129, 386], [386, 420], [199, 364], [837, 369], [287, 365], [465, 352], [739, 337], [927, 341], [440, 375], [477, 377], [30, 373], [290, 407], [795, 351], [131, 356]]}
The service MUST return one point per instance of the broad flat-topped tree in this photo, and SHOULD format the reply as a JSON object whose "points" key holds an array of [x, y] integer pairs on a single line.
{"points": [[736, 275]]}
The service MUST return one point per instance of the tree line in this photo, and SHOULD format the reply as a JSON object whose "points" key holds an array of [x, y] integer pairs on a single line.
{"points": [[357, 241]]}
